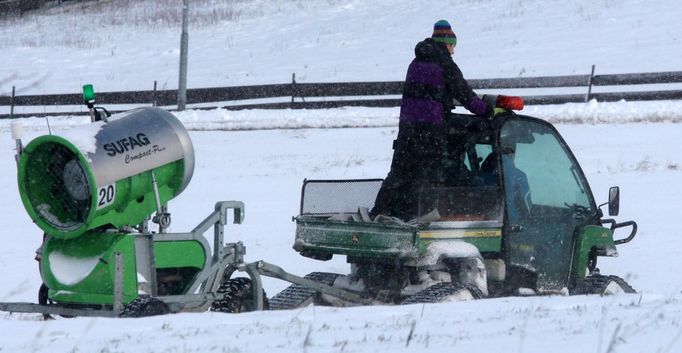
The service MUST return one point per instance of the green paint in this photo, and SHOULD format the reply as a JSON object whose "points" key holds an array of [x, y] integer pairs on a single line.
{"points": [[70, 260], [376, 239], [174, 254], [36, 163], [64, 260], [587, 238], [41, 167], [88, 93], [355, 238], [484, 244]]}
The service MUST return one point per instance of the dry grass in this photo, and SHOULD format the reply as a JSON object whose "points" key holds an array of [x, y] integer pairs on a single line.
{"points": [[144, 13], [80, 20]]}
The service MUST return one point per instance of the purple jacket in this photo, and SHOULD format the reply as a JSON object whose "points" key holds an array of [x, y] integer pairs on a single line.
{"points": [[432, 84]]}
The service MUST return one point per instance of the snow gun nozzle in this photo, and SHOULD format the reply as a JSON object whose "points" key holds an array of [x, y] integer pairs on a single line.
{"points": [[509, 102]]}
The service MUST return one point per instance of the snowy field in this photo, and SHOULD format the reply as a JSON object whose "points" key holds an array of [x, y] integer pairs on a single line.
{"points": [[262, 157], [265, 170]]}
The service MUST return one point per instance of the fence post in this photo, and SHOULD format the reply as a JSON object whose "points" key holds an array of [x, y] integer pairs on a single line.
{"points": [[293, 89], [154, 95], [11, 109], [182, 81], [589, 86]]}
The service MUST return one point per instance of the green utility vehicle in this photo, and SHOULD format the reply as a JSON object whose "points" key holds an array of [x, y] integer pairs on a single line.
{"points": [[514, 215]]}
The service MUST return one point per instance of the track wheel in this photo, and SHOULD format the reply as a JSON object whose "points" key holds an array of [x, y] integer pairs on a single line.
{"points": [[603, 285], [444, 292], [144, 305], [237, 297], [43, 299]]}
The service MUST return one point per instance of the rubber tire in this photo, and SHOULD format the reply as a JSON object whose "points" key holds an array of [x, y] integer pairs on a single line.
{"points": [[43, 299], [237, 297], [143, 306], [437, 293], [602, 285]]}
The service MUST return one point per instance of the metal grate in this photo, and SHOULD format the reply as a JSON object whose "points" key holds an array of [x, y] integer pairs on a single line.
{"points": [[338, 196], [57, 187]]}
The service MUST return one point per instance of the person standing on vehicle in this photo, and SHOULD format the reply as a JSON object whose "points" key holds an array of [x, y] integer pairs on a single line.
{"points": [[433, 83]]}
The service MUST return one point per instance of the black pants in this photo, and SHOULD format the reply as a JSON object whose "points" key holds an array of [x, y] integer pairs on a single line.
{"points": [[417, 159]]}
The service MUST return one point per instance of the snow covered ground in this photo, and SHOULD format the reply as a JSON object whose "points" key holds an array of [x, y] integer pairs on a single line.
{"points": [[265, 169], [261, 158]]}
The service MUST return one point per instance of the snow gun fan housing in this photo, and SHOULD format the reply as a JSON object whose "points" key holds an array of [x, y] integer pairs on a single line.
{"points": [[105, 174]]}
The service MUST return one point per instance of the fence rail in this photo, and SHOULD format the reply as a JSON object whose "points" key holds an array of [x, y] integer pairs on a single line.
{"points": [[381, 94]]}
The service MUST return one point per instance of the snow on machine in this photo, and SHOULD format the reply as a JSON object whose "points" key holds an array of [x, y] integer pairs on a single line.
{"points": [[515, 216]]}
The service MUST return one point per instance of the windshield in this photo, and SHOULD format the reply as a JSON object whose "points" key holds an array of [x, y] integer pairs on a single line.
{"points": [[540, 172]]}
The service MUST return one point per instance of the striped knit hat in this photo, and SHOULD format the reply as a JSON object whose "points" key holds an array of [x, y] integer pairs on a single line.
{"points": [[442, 32]]}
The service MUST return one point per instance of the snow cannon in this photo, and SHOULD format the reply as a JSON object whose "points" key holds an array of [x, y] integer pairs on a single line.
{"points": [[108, 174], [93, 190]]}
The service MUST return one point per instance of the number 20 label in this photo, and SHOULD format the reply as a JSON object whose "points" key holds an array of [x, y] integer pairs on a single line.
{"points": [[106, 195]]}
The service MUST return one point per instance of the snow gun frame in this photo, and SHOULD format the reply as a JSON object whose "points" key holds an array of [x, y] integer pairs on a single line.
{"points": [[225, 259]]}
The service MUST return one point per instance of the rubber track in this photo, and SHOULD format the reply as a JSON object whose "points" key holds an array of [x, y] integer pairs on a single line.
{"points": [[596, 284], [296, 295], [144, 305], [437, 292], [237, 296]]}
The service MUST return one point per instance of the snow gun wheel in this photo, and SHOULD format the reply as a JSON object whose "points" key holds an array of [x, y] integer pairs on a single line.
{"points": [[603, 285], [444, 292], [43, 299], [237, 297], [296, 295], [143, 306]]}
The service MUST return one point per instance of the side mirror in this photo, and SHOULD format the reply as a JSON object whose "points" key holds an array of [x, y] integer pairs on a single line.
{"points": [[614, 201]]}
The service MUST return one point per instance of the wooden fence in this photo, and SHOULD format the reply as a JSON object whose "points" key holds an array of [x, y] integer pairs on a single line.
{"points": [[367, 94]]}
